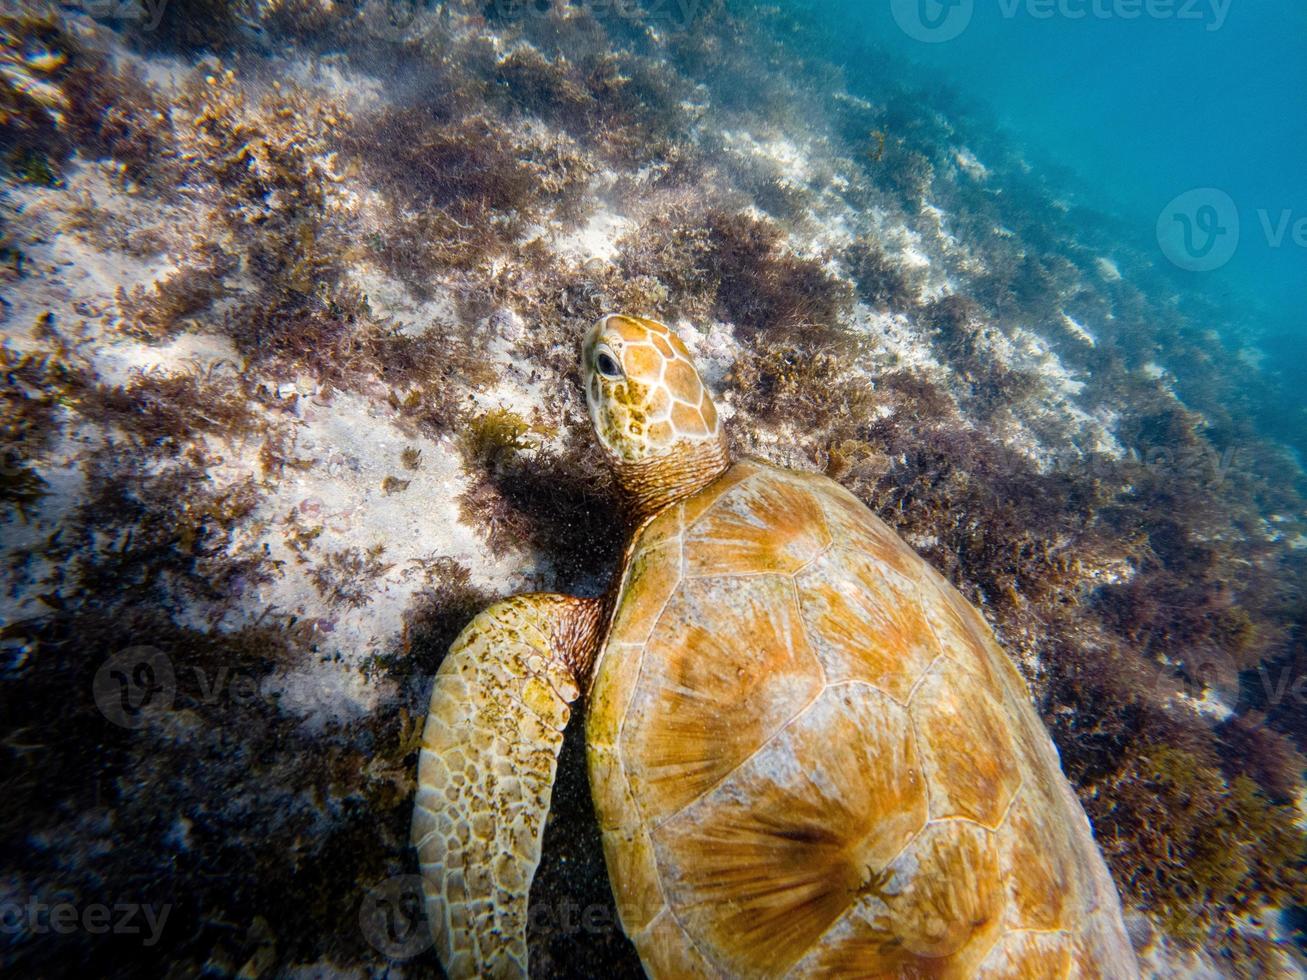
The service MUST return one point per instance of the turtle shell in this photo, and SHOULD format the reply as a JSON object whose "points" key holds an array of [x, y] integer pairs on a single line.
{"points": [[810, 757]]}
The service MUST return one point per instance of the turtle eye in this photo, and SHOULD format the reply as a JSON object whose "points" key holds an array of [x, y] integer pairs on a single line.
{"points": [[607, 365]]}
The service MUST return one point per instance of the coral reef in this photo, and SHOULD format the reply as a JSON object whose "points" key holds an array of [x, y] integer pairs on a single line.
{"points": [[291, 293]]}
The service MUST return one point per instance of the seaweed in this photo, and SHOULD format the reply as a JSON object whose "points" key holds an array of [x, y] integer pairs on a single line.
{"points": [[36, 55], [958, 325], [346, 576], [160, 533], [163, 310], [881, 281], [114, 113], [808, 386], [632, 108], [673, 249], [1191, 847], [461, 190], [486, 438], [563, 503], [165, 414], [1269, 758], [194, 26], [905, 172], [762, 286], [21, 487], [35, 386], [442, 607]]}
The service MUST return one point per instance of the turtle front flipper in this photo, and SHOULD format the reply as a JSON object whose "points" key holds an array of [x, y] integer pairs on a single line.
{"points": [[486, 773]]}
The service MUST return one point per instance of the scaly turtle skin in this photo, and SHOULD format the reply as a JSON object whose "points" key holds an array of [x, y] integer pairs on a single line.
{"points": [[808, 755]]}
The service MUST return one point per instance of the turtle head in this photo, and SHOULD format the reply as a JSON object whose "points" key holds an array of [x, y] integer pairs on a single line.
{"points": [[651, 412]]}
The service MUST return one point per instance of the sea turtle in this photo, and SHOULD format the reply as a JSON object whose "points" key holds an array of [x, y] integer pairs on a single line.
{"points": [[807, 753]]}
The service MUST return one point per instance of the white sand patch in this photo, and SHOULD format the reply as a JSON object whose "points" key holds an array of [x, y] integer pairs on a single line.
{"points": [[715, 350], [1078, 330], [596, 239], [899, 345], [788, 156], [390, 299], [1108, 269], [337, 511], [969, 164], [65, 273]]}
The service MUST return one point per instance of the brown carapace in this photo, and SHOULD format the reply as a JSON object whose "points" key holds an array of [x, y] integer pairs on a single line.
{"points": [[808, 755]]}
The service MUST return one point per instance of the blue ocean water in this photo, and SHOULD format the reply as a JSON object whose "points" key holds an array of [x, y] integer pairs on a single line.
{"points": [[1184, 119]]}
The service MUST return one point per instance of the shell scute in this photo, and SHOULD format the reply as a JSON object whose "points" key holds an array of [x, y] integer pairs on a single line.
{"points": [[936, 911], [652, 574], [666, 951], [703, 501], [726, 666], [630, 857], [1042, 879], [762, 865], [857, 528], [970, 759], [1029, 956], [865, 622], [759, 526]]}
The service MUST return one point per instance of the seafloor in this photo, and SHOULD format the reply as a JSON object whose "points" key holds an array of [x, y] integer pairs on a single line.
{"points": [[291, 293]]}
